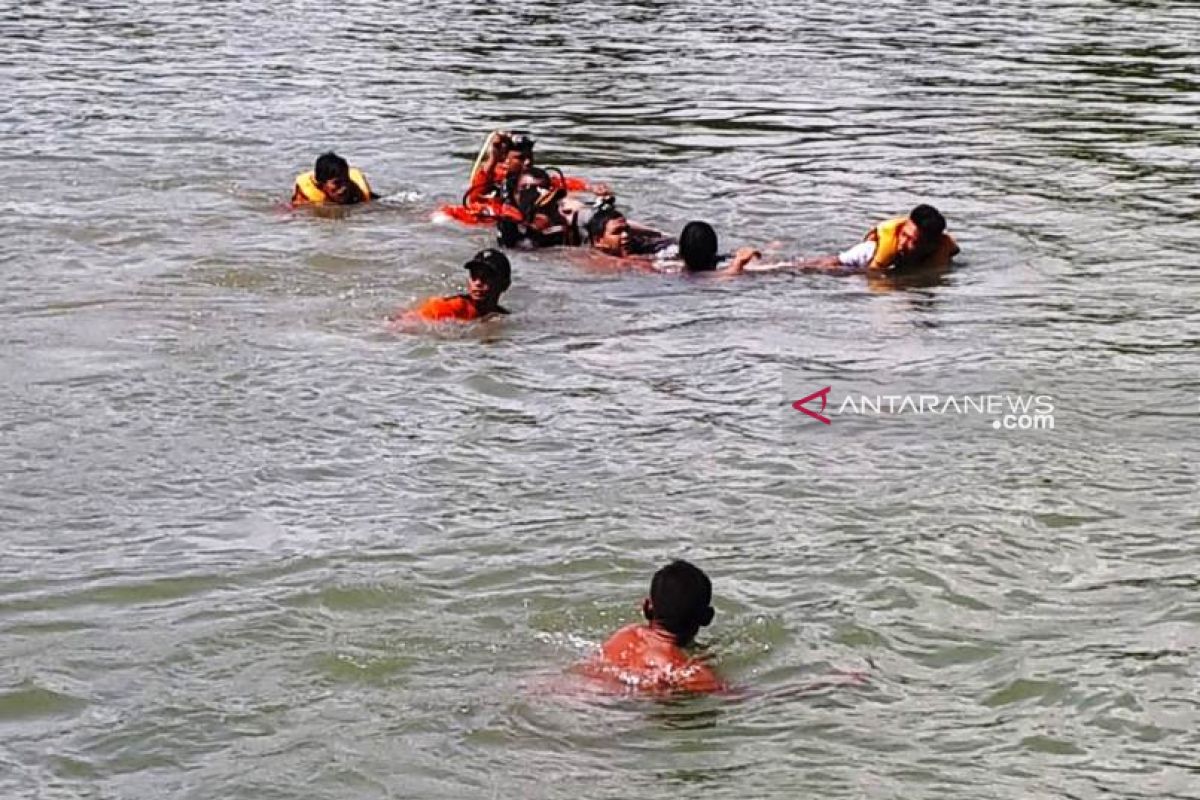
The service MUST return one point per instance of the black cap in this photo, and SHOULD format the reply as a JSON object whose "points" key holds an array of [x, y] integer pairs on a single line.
{"points": [[494, 262], [520, 140]]}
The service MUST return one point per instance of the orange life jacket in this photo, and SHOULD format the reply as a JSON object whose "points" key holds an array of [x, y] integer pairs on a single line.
{"points": [[886, 236], [307, 188], [457, 307]]}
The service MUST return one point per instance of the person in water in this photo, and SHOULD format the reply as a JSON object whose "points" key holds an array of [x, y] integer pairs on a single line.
{"points": [[510, 155], [699, 252], [490, 275], [546, 218], [610, 232], [916, 243], [651, 655], [332, 180]]}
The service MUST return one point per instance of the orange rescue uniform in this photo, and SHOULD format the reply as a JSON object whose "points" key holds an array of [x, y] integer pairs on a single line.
{"points": [[644, 657], [459, 307]]}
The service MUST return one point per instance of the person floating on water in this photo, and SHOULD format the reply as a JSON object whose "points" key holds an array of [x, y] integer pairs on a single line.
{"points": [[508, 156], [332, 180], [610, 232], [650, 656], [490, 275], [698, 252], [546, 216], [902, 245]]}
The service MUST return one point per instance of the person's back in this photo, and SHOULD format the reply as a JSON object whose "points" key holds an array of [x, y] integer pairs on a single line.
{"points": [[650, 656], [644, 657], [698, 252]]}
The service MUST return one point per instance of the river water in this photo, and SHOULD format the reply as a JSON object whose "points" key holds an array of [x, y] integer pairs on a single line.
{"points": [[257, 545]]}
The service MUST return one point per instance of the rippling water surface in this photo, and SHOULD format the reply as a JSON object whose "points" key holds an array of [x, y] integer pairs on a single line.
{"points": [[255, 545]]}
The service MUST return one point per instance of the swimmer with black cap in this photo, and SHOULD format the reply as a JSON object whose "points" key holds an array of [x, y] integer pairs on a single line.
{"points": [[490, 275]]}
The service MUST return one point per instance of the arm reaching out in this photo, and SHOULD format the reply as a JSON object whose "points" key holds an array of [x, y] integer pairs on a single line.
{"points": [[741, 257]]}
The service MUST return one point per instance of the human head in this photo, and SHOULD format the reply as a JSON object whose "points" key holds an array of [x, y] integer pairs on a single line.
{"points": [[519, 156], [537, 197], [680, 600], [332, 175], [608, 230], [490, 275], [698, 246], [922, 230]]}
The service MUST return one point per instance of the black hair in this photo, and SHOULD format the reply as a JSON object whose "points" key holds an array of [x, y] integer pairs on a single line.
{"points": [[532, 190], [509, 233], [681, 600], [331, 165], [698, 246], [600, 220], [929, 221]]}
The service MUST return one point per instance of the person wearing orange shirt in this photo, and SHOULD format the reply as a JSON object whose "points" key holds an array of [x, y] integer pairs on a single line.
{"points": [[509, 156], [650, 656], [490, 276]]}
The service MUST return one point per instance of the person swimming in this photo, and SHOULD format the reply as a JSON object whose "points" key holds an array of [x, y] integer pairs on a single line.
{"points": [[508, 157], [490, 275], [546, 218], [608, 230], [650, 656], [901, 245], [699, 252], [332, 180]]}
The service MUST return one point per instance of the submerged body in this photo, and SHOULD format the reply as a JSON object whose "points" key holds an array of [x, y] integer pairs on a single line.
{"points": [[331, 181], [892, 245], [646, 658], [459, 307], [489, 275], [650, 656]]}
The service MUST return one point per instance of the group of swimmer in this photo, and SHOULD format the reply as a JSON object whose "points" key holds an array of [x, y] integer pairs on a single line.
{"points": [[536, 208]]}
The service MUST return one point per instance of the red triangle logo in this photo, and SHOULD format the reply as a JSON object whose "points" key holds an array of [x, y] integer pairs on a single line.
{"points": [[817, 415]]}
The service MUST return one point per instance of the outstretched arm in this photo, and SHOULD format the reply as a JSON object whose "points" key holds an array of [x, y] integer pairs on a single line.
{"points": [[818, 263], [855, 259], [737, 265]]}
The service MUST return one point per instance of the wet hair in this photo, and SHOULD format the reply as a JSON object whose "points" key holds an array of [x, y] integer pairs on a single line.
{"points": [[331, 165], [600, 220], [509, 233], [680, 600], [698, 246], [495, 262], [929, 221]]}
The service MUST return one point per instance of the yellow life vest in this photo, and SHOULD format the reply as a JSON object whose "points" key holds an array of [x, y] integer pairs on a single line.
{"points": [[886, 236], [306, 186]]}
